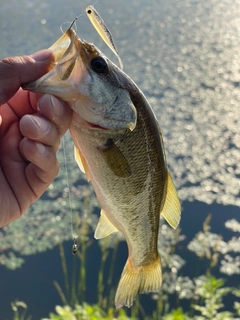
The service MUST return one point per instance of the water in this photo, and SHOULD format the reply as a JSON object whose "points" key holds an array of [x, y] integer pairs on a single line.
{"points": [[184, 55]]}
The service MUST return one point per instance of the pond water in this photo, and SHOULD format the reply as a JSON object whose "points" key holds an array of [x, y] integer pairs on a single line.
{"points": [[184, 55]]}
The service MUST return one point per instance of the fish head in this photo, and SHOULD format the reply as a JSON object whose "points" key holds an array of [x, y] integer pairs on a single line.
{"points": [[93, 86]]}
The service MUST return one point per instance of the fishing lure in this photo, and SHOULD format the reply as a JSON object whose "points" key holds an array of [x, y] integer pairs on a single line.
{"points": [[102, 30]]}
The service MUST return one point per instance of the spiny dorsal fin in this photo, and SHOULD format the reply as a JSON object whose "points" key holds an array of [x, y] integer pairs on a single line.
{"points": [[171, 210], [81, 162], [115, 159], [104, 227]]}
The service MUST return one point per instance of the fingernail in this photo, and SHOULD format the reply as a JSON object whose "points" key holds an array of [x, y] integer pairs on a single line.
{"points": [[42, 55], [57, 106], [41, 148], [40, 124]]}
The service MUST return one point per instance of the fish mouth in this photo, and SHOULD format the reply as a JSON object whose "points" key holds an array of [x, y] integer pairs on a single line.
{"points": [[65, 51], [96, 126], [71, 79]]}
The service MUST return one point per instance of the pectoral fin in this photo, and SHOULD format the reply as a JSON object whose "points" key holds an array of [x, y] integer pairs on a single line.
{"points": [[81, 162], [115, 159], [104, 227], [171, 210]]}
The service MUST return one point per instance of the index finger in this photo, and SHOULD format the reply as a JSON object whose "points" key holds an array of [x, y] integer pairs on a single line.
{"points": [[15, 71]]}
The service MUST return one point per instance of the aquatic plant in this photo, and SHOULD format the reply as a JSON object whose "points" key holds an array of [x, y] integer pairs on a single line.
{"points": [[20, 315], [75, 279], [213, 247], [212, 292], [204, 293], [177, 314], [86, 312]]}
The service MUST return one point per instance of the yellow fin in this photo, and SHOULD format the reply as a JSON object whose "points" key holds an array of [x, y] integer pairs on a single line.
{"points": [[81, 162], [138, 280], [78, 159], [115, 159], [171, 210], [104, 227]]}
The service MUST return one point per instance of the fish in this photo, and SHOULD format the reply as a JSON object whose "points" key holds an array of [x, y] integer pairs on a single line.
{"points": [[103, 31], [118, 144]]}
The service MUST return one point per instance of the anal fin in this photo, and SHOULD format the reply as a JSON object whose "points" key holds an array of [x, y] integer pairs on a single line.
{"points": [[171, 210], [104, 227]]}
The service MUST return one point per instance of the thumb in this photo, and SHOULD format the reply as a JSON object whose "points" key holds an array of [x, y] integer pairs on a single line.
{"points": [[15, 71]]}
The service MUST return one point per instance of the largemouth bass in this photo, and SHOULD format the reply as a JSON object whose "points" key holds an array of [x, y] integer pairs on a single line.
{"points": [[119, 146]]}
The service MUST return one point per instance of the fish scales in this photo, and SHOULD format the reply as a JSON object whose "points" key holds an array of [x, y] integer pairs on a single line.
{"points": [[118, 144], [138, 200]]}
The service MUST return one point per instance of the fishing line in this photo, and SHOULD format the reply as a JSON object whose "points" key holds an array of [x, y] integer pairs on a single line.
{"points": [[95, 3], [71, 24], [82, 12], [74, 20], [74, 236]]}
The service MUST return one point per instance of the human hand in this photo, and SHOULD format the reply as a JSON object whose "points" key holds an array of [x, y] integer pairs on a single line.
{"points": [[30, 131]]}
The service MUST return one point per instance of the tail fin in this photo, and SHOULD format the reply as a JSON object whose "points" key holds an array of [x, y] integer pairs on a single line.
{"points": [[138, 280]]}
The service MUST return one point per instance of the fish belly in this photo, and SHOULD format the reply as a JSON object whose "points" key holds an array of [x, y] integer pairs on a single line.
{"points": [[132, 204]]}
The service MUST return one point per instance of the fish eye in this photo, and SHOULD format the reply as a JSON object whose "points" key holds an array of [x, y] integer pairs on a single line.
{"points": [[99, 65]]}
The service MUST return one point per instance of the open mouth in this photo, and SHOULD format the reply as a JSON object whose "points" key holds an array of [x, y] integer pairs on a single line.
{"points": [[65, 50]]}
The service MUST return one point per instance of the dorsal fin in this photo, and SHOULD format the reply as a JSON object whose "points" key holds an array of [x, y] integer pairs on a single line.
{"points": [[171, 210], [104, 227]]}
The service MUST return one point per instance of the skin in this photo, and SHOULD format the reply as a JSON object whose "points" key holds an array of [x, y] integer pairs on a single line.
{"points": [[30, 131]]}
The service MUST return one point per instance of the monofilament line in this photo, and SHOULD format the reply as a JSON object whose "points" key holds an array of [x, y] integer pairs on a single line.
{"points": [[74, 20], [74, 236], [81, 14]]}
